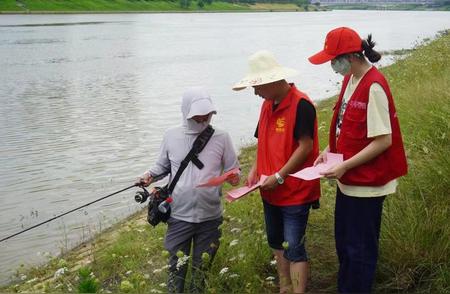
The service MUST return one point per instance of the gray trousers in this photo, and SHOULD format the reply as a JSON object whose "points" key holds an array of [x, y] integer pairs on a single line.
{"points": [[180, 236]]}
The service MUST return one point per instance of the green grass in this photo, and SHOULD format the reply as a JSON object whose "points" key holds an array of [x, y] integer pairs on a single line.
{"points": [[415, 235], [107, 5], [67, 6]]}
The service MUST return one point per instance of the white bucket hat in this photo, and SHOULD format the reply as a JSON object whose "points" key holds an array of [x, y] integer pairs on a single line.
{"points": [[263, 69]]}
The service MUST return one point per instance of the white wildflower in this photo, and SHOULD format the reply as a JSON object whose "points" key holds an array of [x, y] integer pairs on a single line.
{"points": [[163, 285], [128, 273], [182, 261], [273, 262], [270, 278], [223, 271], [60, 272], [234, 242], [23, 277]]}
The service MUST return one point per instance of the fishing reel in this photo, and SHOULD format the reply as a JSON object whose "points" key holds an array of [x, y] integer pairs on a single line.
{"points": [[141, 196], [159, 193]]}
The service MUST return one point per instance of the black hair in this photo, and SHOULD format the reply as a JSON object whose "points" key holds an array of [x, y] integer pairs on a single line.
{"points": [[367, 46]]}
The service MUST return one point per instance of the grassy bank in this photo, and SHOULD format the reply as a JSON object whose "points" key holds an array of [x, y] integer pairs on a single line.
{"points": [[415, 237], [93, 6], [389, 6]]}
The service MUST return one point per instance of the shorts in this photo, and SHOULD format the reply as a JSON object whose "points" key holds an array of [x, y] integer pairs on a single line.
{"points": [[287, 224]]}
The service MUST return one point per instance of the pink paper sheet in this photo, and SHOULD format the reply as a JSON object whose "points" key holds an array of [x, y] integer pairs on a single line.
{"points": [[313, 172], [217, 181], [239, 192]]}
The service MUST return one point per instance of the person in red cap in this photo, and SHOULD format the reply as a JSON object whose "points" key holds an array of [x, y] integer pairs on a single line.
{"points": [[365, 129]]}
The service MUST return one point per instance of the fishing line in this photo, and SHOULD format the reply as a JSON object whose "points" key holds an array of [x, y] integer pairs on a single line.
{"points": [[63, 214]]}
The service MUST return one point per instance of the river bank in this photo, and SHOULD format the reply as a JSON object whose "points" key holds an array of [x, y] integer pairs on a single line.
{"points": [[415, 243], [159, 6]]}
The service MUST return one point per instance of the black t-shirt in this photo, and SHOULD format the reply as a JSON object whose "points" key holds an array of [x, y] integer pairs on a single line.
{"points": [[304, 120]]}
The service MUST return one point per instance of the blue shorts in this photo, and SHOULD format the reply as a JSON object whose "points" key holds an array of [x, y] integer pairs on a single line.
{"points": [[287, 224]]}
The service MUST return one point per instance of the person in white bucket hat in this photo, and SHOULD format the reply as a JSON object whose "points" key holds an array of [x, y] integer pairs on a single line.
{"points": [[196, 212], [287, 142]]}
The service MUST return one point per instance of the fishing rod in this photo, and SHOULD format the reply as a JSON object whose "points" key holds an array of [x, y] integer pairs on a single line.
{"points": [[63, 214]]}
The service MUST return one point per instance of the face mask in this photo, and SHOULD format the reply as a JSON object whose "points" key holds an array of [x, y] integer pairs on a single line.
{"points": [[194, 127], [341, 65]]}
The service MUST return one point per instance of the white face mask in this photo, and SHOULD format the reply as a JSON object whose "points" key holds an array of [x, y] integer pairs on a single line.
{"points": [[194, 127], [341, 65]]}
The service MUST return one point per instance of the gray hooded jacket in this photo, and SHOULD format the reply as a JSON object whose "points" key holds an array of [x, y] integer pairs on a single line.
{"points": [[192, 204]]}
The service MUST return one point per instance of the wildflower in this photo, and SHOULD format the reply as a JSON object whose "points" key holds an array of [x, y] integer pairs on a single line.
{"points": [[128, 273], [59, 272], [273, 262], [232, 276], [223, 271], [163, 285], [126, 286], [285, 245], [235, 230], [234, 242], [23, 277], [182, 261], [270, 278]]}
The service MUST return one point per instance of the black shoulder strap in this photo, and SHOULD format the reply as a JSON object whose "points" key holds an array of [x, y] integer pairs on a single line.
{"points": [[199, 143]]}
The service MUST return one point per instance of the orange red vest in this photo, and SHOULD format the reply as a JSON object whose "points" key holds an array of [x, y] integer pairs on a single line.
{"points": [[387, 166], [276, 143]]}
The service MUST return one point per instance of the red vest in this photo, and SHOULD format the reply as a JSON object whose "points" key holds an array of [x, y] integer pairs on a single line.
{"points": [[276, 143], [387, 166]]}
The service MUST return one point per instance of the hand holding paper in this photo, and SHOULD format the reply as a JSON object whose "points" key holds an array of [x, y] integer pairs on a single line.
{"points": [[239, 192], [314, 172], [217, 181]]}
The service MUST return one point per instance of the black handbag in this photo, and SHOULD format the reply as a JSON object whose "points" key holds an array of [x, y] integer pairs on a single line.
{"points": [[160, 194]]}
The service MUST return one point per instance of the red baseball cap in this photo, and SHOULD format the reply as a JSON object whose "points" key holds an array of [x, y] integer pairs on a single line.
{"points": [[338, 41]]}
